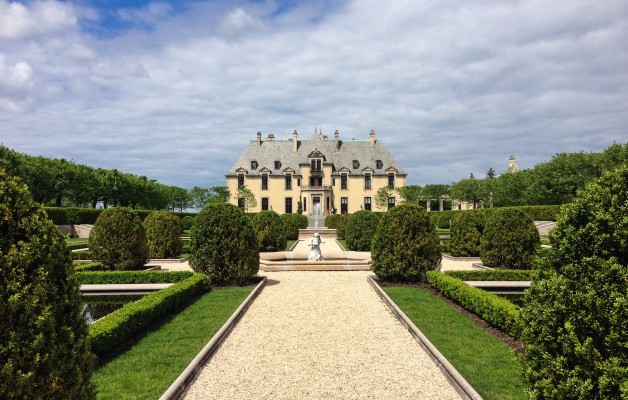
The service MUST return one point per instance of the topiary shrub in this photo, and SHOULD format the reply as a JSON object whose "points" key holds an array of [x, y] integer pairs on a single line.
{"points": [[270, 231], [292, 223], [118, 240], [162, 234], [341, 224], [466, 234], [509, 240], [576, 315], [360, 229], [224, 245], [405, 245], [44, 351], [186, 223]]}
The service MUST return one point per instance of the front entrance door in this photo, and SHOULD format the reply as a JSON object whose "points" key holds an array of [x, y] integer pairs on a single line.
{"points": [[316, 205]]}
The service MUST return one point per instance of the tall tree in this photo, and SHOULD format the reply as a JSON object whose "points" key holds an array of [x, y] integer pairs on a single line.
{"points": [[248, 198], [381, 197], [219, 194], [409, 194], [469, 190], [200, 197]]}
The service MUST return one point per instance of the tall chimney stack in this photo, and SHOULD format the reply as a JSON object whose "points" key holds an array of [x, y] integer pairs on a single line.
{"points": [[259, 138], [295, 141], [372, 137], [337, 139]]}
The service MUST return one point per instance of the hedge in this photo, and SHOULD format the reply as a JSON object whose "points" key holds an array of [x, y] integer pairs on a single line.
{"points": [[107, 334], [496, 311], [537, 213], [77, 215], [76, 246], [120, 277], [88, 266], [492, 275], [82, 255]]}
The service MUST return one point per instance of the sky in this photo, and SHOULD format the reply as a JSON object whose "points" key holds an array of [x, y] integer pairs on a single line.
{"points": [[176, 90]]}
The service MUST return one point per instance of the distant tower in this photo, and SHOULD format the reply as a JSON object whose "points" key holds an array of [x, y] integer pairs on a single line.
{"points": [[512, 165]]}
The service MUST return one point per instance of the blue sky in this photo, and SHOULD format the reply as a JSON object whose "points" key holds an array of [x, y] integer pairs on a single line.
{"points": [[175, 90]]}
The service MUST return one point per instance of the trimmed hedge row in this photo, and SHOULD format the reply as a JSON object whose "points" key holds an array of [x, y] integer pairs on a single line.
{"points": [[494, 310], [108, 333], [88, 266], [76, 246], [119, 277], [492, 275], [337, 222], [442, 219], [76, 215], [82, 255]]}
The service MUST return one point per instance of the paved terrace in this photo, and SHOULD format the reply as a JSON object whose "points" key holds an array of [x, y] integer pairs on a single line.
{"points": [[320, 335]]}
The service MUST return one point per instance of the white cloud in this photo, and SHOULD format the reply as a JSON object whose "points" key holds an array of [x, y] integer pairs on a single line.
{"points": [[451, 87], [19, 21], [16, 84]]}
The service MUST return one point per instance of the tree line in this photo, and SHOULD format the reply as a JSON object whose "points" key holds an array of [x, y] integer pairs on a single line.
{"points": [[59, 182], [550, 183]]}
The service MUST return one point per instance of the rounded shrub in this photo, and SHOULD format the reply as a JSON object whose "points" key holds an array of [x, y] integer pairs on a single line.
{"points": [[405, 246], [224, 245], [270, 231], [360, 229], [44, 350], [509, 240], [186, 222], [292, 223], [118, 240], [575, 319], [162, 234], [466, 234]]}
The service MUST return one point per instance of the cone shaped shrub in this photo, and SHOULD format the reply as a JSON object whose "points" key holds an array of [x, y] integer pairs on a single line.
{"points": [[44, 351], [405, 245], [224, 245], [270, 231], [466, 234], [360, 229], [509, 240], [162, 234], [118, 240], [576, 314]]}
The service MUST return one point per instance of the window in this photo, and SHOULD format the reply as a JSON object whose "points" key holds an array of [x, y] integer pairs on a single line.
{"points": [[288, 205], [391, 202], [299, 182], [254, 164], [367, 203], [327, 203], [241, 202], [288, 181], [391, 180], [264, 203], [315, 165], [277, 164], [305, 204], [240, 180], [379, 164], [356, 164], [367, 181], [333, 181], [343, 181], [316, 181], [264, 181], [344, 205]]}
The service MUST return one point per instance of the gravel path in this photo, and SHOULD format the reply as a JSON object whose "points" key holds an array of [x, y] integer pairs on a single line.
{"points": [[320, 335]]}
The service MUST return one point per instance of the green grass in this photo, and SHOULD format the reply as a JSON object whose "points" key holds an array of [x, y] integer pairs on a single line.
{"points": [[289, 244], [343, 243], [442, 231], [148, 368], [487, 363]]}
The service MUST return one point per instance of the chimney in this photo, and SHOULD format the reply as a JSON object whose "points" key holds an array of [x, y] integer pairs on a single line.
{"points": [[337, 137], [259, 138], [295, 141], [372, 137]]}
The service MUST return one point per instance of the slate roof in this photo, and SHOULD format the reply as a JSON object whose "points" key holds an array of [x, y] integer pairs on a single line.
{"points": [[281, 150]]}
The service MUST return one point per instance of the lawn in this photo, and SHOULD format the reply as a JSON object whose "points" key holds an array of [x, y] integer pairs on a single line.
{"points": [[289, 244], [487, 363], [148, 368]]}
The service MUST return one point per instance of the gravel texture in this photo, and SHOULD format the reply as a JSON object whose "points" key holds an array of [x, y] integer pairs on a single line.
{"points": [[320, 335]]}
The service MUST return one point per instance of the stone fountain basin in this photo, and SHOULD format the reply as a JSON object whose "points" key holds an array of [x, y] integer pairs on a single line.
{"points": [[334, 261]]}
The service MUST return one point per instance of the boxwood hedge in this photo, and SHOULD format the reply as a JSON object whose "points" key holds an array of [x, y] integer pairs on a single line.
{"points": [[492, 275]]}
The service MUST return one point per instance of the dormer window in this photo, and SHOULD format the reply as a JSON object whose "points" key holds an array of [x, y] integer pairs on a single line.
{"points": [[356, 164], [379, 164], [264, 181], [240, 180], [367, 180], [391, 180], [316, 165], [343, 180], [277, 164], [254, 164]]}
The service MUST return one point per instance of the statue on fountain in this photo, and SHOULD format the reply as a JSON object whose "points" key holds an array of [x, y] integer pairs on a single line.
{"points": [[315, 251]]}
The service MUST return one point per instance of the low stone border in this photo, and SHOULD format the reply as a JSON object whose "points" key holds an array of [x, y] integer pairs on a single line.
{"points": [[464, 389], [461, 258], [180, 384]]}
